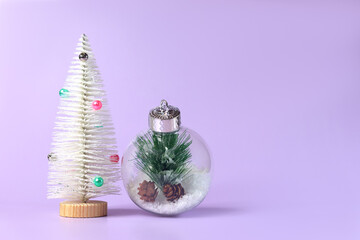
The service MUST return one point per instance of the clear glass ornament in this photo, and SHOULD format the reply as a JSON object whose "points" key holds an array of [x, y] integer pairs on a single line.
{"points": [[166, 169]]}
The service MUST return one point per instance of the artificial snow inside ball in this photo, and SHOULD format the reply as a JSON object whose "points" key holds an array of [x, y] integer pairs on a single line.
{"points": [[64, 93], [96, 105], [98, 181], [114, 158], [83, 57]]}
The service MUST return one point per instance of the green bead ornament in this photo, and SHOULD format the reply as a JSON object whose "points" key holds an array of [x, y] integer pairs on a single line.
{"points": [[64, 93], [98, 181]]}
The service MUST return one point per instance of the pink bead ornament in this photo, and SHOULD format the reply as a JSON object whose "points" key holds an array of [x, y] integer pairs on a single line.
{"points": [[114, 158], [96, 105]]}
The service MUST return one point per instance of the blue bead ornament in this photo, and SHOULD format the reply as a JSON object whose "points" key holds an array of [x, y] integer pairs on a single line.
{"points": [[64, 93]]}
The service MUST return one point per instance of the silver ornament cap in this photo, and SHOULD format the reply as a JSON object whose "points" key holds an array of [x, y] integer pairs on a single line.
{"points": [[164, 118]]}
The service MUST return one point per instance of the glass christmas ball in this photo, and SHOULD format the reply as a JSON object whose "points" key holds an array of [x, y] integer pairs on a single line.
{"points": [[166, 169], [96, 105]]}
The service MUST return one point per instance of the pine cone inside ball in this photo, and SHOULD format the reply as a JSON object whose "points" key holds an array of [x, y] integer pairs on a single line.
{"points": [[173, 192], [147, 191]]}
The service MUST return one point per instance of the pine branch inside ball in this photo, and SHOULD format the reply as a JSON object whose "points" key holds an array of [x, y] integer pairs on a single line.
{"points": [[164, 158]]}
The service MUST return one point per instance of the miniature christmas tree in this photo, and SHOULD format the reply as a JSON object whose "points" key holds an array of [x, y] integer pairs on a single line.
{"points": [[84, 161]]}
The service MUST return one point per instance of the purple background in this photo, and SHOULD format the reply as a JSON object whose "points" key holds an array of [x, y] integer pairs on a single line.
{"points": [[272, 86]]}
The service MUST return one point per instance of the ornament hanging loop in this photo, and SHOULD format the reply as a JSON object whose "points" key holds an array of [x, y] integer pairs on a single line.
{"points": [[164, 107], [164, 104]]}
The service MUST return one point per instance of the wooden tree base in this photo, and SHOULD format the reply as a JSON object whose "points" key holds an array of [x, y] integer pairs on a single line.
{"points": [[83, 210]]}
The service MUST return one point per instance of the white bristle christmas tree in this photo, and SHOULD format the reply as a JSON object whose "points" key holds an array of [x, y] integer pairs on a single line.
{"points": [[83, 161]]}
